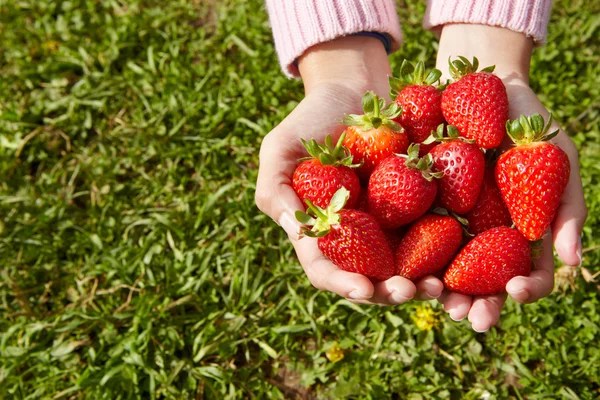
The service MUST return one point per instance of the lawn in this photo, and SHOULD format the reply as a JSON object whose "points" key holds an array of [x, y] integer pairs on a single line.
{"points": [[136, 265]]}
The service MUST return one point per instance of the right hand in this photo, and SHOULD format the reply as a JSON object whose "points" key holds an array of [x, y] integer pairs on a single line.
{"points": [[336, 74]]}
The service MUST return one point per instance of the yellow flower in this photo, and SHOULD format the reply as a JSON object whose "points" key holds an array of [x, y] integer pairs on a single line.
{"points": [[335, 353], [425, 317], [50, 45]]}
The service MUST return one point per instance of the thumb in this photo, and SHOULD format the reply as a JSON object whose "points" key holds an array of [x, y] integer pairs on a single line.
{"points": [[274, 193], [571, 214]]}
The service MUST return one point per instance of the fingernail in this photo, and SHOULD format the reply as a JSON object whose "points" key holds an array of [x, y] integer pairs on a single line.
{"points": [[398, 298], [290, 225], [357, 295], [453, 317], [483, 331], [522, 294], [579, 252]]}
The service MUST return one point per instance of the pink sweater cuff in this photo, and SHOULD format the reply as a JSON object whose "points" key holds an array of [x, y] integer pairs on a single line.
{"points": [[526, 16], [300, 24]]}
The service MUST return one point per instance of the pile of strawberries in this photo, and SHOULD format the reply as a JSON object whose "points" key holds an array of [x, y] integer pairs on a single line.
{"points": [[417, 187]]}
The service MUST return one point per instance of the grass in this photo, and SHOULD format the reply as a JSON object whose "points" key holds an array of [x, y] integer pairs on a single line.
{"points": [[135, 264]]}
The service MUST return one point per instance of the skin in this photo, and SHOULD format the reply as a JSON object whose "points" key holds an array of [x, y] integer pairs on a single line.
{"points": [[337, 74]]}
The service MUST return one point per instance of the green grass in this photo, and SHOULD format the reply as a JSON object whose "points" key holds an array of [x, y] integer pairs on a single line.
{"points": [[135, 264]]}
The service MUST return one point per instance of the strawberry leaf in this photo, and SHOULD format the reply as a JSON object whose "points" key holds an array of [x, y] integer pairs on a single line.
{"points": [[304, 218], [376, 114], [339, 199], [368, 102]]}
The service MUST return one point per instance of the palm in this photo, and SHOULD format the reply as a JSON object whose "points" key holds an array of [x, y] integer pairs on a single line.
{"points": [[317, 116]]}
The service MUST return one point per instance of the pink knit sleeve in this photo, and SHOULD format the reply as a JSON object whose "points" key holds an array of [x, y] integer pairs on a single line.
{"points": [[527, 16], [300, 24]]}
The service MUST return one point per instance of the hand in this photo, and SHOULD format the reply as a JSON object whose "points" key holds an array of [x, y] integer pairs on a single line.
{"points": [[510, 51], [336, 74]]}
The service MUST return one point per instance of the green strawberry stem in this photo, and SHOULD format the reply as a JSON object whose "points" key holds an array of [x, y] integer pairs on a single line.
{"points": [[536, 248], [328, 154], [413, 75], [321, 220], [443, 211], [527, 130], [437, 136], [462, 67], [376, 114], [423, 164]]}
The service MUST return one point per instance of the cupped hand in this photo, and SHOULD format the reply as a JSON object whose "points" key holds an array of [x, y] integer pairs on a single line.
{"points": [[336, 75], [511, 52], [565, 232]]}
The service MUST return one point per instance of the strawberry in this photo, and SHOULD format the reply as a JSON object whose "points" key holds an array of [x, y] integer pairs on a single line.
{"points": [[489, 211], [351, 239], [374, 136], [532, 176], [463, 166], [363, 201], [329, 168], [428, 246], [476, 103], [420, 101], [401, 188], [394, 236], [486, 264]]}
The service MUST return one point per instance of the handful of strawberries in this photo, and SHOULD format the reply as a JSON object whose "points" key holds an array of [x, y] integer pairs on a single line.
{"points": [[411, 188]]}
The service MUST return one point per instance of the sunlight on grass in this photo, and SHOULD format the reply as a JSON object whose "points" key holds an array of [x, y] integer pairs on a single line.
{"points": [[136, 265]]}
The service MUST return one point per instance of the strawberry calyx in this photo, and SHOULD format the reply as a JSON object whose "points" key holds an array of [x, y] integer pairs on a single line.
{"points": [[437, 136], [318, 221], [442, 211], [527, 130], [464, 223], [376, 114], [423, 164], [328, 154], [413, 75], [462, 67], [536, 248]]}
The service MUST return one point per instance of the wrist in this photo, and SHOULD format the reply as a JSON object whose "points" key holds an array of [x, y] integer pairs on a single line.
{"points": [[357, 61], [509, 51]]}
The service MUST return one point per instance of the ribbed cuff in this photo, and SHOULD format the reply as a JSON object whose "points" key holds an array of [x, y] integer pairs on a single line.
{"points": [[300, 24], [530, 17]]}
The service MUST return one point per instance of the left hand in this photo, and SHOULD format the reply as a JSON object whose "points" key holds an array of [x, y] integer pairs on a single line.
{"points": [[510, 51]]}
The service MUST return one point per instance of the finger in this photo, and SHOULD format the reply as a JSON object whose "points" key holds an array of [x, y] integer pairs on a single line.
{"points": [[485, 311], [572, 212], [324, 275], [396, 290], [456, 305], [429, 288], [274, 193], [539, 283], [281, 149]]}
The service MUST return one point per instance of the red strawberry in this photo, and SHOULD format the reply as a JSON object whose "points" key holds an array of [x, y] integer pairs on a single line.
{"points": [[428, 246], [394, 236], [420, 101], [476, 103], [486, 264], [363, 201], [374, 136], [489, 211], [463, 166], [318, 177], [401, 189], [532, 176], [351, 239]]}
